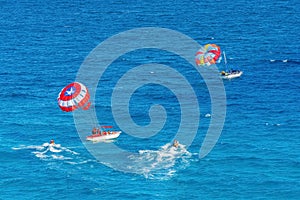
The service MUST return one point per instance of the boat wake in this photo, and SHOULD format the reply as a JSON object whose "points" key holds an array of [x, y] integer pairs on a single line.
{"points": [[51, 152], [162, 163], [54, 151]]}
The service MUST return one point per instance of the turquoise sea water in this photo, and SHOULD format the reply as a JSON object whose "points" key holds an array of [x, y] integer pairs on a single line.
{"points": [[44, 43]]}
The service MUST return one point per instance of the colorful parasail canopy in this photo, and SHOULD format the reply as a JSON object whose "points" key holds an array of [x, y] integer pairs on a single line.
{"points": [[74, 96], [208, 55]]}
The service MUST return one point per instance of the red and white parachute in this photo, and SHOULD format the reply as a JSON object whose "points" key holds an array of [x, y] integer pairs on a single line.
{"points": [[208, 55], [74, 96]]}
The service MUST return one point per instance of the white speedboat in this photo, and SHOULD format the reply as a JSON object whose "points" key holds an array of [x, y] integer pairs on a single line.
{"points": [[103, 135], [231, 74]]}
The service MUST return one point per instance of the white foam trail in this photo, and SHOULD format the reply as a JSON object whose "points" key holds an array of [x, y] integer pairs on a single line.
{"points": [[162, 163], [28, 147], [70, 151], [55, 152]]}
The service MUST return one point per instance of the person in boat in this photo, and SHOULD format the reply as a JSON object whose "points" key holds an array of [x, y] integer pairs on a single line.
{"points": [[234, 71], [98, 132], [175, 143], [223, 73], [94, 131]]}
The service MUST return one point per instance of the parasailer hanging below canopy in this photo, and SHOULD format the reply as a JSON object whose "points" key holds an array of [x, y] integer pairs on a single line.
{"points": [[74, 96], [208, 55]]}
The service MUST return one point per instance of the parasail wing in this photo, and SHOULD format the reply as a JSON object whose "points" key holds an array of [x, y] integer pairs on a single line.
{"points": [[74, 96], [208, 55]]}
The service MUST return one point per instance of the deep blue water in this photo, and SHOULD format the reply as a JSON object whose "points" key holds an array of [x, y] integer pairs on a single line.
{"points": [[44, 43]]}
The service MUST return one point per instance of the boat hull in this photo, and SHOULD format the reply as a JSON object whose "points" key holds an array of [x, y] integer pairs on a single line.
{"points": [[98, 137], [231, 76]]}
